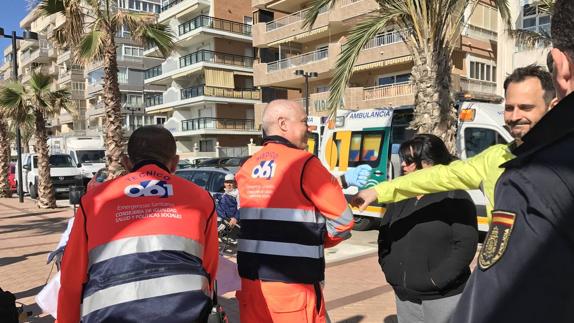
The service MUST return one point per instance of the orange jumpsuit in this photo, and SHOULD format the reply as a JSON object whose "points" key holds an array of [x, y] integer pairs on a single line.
{"points": [[291, 209], [143, 248]]}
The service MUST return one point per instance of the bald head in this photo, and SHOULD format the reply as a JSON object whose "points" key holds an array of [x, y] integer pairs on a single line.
{"points": [[286, 119]]}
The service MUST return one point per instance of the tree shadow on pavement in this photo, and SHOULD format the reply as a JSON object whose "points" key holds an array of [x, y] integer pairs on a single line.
{"points": [[37, 316], [352, 319], [29, 292], [391, 319], [12, 260], [40, 226]]}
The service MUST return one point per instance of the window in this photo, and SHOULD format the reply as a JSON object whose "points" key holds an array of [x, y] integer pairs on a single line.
{"points": [[206, 146], [123, 75], [248, 20], [394, 79], [133, 51], [322, 88], [482, 71], [78, 86], [478, 139], [201, 179], [536, 18], [217, 183], [160, 120], [365, 147]]}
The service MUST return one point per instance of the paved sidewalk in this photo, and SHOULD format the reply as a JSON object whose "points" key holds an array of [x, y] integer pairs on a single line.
{"points": [[355, 287]]}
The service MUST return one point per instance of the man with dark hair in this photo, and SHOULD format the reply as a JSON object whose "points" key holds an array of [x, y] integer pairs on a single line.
{"points": [[529, 95], [140, 249], [525, 265]]}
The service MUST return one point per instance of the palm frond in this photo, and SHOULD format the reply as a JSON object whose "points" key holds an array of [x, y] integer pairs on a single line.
{"points": [[314, 10], [503, 7], [530, 39], [73, 29], [61, 99], [357, 38], [50, 7], [91, 47], [159, 35], [14, 100]]}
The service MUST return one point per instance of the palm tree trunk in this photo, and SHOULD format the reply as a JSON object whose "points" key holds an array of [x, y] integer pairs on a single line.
{"points": [[4, 160], [434, 106], [46, 196], [114, 134]]}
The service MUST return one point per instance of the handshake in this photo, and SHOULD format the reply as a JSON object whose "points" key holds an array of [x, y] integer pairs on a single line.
{"points": [[359, 176]]}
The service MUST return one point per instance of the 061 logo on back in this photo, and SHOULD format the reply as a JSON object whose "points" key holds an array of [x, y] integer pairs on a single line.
{"points": [[265, 169], [149, 188]]}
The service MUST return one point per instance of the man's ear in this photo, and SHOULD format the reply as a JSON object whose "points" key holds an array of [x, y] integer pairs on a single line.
{"points": [[562, 73], [174, 162], [553, 103], [127, 163], [282, 124]]}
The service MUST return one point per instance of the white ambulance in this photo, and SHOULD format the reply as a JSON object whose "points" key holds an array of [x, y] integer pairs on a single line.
{"points": [[373, 136]]}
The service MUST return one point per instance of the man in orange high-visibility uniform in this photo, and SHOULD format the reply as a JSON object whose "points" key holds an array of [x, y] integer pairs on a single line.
{"points": [[143, 247], [291, 209]]}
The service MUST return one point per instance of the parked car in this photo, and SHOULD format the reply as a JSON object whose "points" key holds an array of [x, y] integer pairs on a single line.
{"points": [[12, 177], [209, 178], [214, 162], [183, 164]]}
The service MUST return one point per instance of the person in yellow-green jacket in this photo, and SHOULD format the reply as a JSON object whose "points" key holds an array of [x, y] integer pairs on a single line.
{"points": [[529, 94]]}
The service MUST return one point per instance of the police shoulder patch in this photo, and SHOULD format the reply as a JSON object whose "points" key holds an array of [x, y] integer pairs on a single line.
{"points": [[496, 241]]}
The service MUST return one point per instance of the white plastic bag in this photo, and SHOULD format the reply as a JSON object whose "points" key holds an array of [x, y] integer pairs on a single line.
{"points": [[47, 299]]}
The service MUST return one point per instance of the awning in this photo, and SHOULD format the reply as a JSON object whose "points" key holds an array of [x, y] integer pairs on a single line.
{"points": [[386, 62], [299, 36], [159, 111]]}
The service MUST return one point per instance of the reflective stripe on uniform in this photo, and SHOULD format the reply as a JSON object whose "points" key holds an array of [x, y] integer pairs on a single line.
{"points": [[140, 244], [144, 289], [343, 220], [280, 248], [277, 214]]}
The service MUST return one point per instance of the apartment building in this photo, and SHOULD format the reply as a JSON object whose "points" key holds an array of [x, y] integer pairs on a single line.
{"points": [[208, 92], [527, 15], [132, 65], [381, 75]]}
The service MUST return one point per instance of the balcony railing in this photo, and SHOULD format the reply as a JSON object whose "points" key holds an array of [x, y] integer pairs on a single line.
{"points": [[291, 19], [472, 85], [170, 4], [217, 123], [387, 91], [215, 57], [298, 60], [153, 100], [195, 91], [152, 72], [481, 33], [214, 23], [383, 39]]}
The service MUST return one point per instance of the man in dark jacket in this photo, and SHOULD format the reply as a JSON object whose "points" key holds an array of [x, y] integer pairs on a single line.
{"points": [[526, 263]]}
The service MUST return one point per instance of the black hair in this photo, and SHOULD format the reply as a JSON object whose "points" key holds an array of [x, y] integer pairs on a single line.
{"points": [[151, 143], [562, 26], [533, 70], [425, 148]]}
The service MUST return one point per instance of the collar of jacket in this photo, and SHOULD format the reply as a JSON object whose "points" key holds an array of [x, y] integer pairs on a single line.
{"points": [[557, 123], [278, 140], [149, 162]]}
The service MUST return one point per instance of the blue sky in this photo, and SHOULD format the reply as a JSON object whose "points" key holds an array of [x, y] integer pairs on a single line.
{"points": [[11, 12]]}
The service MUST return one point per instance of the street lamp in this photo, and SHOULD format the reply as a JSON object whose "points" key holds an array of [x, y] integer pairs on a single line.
{"points": [[306, 75], [26, 35]]}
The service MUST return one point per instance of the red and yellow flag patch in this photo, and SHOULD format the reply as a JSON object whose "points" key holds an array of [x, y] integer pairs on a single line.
{"points": [[497, 239]]}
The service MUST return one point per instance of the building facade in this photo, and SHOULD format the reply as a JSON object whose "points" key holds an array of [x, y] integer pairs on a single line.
{"points": [[208, 91], [381, 75]]}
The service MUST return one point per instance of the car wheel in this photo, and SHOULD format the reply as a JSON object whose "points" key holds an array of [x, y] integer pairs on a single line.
{"points": [[33, 191]]}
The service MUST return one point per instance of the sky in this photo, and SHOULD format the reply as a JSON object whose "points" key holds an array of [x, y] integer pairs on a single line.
{"points": [[11, 12]]}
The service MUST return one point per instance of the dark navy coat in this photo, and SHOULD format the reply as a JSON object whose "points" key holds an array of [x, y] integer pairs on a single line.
{"points": [[525, 269]]}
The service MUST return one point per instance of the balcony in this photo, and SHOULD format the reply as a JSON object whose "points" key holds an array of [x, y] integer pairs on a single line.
{"points": [[298, 60], [290, 28], [180, 8], [282, 73], [63, 57], [216, 58], [152, 100], [477, 86], [38, 56], [217, 123], [388, 91], [214, 23], [479, 33], [152, 72], [202, 90]]}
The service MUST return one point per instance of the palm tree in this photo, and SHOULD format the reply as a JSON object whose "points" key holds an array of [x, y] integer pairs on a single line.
{"points": [[4, 157], [37, 98], [89, 30], [430, 30]]}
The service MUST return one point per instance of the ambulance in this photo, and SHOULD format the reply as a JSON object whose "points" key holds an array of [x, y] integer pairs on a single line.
{"points": [[373, 136]]}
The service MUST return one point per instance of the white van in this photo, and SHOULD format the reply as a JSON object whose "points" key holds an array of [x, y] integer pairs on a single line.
{"points": [[372, 136], [63, 171], [88, 152]]}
